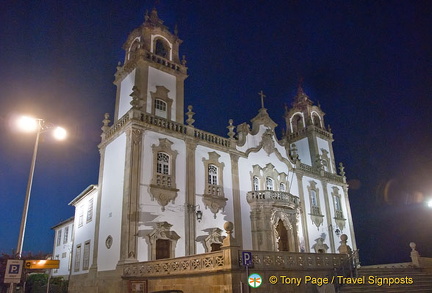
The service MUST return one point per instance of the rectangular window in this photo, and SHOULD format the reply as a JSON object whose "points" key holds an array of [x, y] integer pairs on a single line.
{"points": [[59, 233], [212, 175], [90, 210], [81, 216], [86, 256], [64, 255], [66, 234], [77, 258]]}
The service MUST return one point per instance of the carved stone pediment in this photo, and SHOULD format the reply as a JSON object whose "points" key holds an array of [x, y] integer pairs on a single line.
{"points": [[163, 195], [262, 118]]}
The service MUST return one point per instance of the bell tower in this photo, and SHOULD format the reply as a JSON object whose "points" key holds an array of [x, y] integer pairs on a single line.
{"points": [[152, 76], [309, 139]]}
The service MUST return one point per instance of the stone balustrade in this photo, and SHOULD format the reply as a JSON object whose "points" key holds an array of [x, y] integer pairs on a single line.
{"points": [[272, 196], [200, 263], [148, 119], [211, 138], [220, 261], [264, 260]]}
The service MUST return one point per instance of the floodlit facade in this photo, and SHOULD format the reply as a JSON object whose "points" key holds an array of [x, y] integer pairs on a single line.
{"points": [[166, 188], [63, 242]]}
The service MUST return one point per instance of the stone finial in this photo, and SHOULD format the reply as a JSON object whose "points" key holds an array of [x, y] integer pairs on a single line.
{"points": [[190, 121], [229, 240], [135, 103], [231, 127], [341, 169], [183, 61], [105, 122], [329, 128], [344, 248], [415, 256]]}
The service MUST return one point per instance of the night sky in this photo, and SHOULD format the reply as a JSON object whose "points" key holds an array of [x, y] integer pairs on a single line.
{"points": [[367, 63]]}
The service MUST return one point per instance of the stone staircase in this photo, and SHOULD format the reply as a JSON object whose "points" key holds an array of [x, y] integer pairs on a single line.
{"points": [[419, 280]]}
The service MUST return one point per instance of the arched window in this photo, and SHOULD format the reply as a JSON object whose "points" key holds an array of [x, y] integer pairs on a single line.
{"points": [[161, 48], [255, 183], [160, 108], [269, 183], [212, 175], [297, 123], [316, 120], [282, 187], [162, 163]]}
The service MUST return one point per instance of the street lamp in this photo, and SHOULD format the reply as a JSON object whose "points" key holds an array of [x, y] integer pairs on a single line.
{"points": [[39, 126]]}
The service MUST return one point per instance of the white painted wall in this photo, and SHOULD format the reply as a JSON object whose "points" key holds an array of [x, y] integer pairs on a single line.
{"points": [[260, 158], [208, 220], [85, 232], [126, 86], [63, 251], [157, 77], [150, 211], [303, 151], [324, 144], [313, 231], [111, 203]]}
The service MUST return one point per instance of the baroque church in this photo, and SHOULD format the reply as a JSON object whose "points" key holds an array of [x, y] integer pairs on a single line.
{"points": [[166, 188]]}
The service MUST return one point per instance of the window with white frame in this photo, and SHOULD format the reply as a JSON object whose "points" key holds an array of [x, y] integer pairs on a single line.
{"points": [[212, 175], [269, 183], [163, 161], [66, 234], [255, 183], [59, 234], [160, 108], [81, 216], [282, 187], [90, 210]]}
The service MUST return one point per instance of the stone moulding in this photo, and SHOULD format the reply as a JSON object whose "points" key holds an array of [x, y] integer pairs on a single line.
{"points": [[279, 197], [212, 261], [219, 261], [163, 195], [214, 203]]}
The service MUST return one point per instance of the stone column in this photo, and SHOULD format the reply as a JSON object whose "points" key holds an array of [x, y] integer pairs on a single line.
{"points": [[130, 214], [190, 218], [303, 211], [328, 216], [236, 199]]}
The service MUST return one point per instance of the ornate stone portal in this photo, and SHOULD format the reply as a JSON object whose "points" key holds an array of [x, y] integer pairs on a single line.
{"points": [[274, 213]]}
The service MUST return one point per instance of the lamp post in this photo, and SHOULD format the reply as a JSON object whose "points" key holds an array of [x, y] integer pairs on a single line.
{"points": [[30, 124], [39, 126]]}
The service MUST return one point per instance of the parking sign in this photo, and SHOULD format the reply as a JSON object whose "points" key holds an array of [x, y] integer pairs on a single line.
{"points": [[13, 271], [247, 258]]}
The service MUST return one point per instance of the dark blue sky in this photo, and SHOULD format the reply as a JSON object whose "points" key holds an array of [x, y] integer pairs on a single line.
{"points": [[367, 63]]}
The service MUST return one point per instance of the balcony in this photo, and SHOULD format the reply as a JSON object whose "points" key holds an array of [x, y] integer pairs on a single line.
{"points": [[271, 196]]}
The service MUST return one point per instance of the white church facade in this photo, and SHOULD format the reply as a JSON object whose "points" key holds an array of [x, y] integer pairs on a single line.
{"points": [[166, 188]]}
